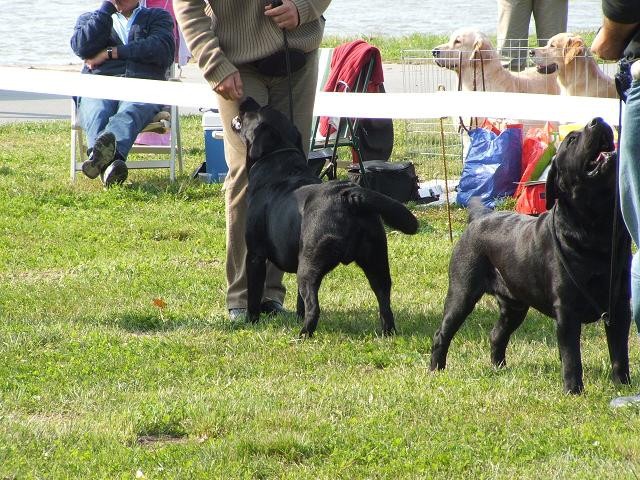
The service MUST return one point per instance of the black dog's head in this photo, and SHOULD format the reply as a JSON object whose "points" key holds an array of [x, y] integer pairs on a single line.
{"points": [[264, 130], [583, 171]]}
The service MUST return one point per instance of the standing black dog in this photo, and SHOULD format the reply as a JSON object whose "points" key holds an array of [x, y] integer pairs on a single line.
{"points": [[557, 263], [305, 226]]}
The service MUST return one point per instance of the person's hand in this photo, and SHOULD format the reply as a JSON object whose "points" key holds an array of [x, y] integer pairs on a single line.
{"points": [[98, 60], [607, 47], [611, 39], [286, 15], [231, 87]]}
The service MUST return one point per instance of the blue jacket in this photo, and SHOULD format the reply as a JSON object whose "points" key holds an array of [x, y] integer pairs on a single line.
{"points": [[148, 54]]}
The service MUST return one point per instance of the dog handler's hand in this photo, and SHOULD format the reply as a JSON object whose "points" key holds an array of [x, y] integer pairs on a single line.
{"points": [[231, 87], [286, 15], [611, 39]]}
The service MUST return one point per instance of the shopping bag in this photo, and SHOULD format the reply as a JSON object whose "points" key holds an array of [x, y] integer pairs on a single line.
{"points": [[538, 149], [492, 166]]}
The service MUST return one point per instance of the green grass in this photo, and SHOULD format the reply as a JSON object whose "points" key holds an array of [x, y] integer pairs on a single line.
{"points": [[97, 382]]}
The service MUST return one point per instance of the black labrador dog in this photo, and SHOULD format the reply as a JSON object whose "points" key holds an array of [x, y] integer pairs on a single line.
{"points": [[557, 263], [305, 226]]}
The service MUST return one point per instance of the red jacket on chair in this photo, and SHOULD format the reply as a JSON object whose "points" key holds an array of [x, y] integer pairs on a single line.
{"points": [[346, 63]]}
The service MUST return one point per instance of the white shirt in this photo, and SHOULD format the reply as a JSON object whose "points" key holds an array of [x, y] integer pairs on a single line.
{"points": [[122, 24]]}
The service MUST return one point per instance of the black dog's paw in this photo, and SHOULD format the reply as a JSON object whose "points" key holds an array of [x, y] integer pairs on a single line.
{"points": [[574, 388], [389, 331], [253, 317], [620, 374], [304, 333]]}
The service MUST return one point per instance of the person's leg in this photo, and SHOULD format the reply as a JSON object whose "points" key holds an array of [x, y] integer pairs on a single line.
{"points": [[514, 17], [235, 190], [265, 90], [128, 121], [304, 95], [94, 114], [550, 18], [629, 181], [303, 92]]}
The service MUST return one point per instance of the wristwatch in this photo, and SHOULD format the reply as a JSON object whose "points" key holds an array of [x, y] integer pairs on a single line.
{"points": [[110, 53]]}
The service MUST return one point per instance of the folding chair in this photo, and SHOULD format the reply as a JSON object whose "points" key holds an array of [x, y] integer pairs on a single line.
{"points": [[346, 131], [318, 158], [166, 121]]}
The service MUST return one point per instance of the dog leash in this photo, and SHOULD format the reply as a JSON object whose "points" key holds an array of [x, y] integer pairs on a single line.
{"points": [[604, 314], [287, 60], [475, 81]]}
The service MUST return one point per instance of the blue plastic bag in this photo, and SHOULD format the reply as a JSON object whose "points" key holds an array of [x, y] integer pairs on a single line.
{"points": [[492, 166]]}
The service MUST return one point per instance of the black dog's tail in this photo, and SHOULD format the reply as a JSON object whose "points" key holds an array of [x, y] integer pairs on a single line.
{"points": [[476, 209], [393, 213]]}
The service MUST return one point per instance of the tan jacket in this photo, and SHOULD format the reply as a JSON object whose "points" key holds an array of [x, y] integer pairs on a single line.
{"points": [[238, 32]]}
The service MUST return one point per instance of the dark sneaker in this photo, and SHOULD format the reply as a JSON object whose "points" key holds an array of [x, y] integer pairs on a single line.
{"points": [[631, 401], [237, 314], [273, 307], [115, 174], [101, 156]]}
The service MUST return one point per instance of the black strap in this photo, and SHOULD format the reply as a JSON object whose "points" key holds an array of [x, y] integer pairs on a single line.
{"points": [[287, 59], [615, 228], [477, 53]]}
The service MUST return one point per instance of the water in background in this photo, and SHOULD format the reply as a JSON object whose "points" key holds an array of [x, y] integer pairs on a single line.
{"points": [[37, 32]]}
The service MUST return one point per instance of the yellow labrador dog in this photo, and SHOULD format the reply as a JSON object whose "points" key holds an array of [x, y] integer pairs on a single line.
{"points": [[578, 73], [472, 56]]}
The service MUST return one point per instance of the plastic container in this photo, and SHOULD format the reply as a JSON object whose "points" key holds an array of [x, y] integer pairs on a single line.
{"points": [[214, 146], [564, 130]]}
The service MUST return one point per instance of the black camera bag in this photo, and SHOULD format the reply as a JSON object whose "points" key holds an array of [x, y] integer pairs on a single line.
{"points": [[397, 180]]}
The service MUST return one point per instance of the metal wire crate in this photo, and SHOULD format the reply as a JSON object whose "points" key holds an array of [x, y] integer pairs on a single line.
{"points": [[430, 142]]}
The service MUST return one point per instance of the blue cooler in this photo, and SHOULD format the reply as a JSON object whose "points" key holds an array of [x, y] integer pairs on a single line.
{"points": [[214, 146]]}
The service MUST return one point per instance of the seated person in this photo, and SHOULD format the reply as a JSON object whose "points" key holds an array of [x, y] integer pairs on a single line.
{"points": [[120, 39]]}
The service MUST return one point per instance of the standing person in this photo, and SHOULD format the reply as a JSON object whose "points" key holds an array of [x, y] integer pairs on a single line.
{"points": [[514, 16], [120, 39], [620, 37], [238, 45]]}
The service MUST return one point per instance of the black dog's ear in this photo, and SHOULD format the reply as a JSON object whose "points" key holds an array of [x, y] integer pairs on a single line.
{"points": [[551, 192], [265, 140], [249, 105]]}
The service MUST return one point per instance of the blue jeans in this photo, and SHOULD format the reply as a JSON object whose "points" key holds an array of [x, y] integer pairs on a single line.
{"points": [[124, 119], [629, 181]]}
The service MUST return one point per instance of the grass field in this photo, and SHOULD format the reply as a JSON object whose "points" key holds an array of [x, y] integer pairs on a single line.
{"points": [[97, 381]]}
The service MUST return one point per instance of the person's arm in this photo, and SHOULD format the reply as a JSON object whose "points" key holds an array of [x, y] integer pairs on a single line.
{"points": [[158, 47], [202, 41], [310, 10], [92, 32], [621, 19]]}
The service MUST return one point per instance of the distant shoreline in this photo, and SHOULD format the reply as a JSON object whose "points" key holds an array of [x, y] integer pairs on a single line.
{"points": [[391, 47]]}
